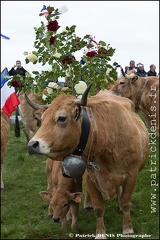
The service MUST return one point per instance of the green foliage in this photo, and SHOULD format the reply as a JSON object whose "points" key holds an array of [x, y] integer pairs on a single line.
{"points": [[57, 49]]}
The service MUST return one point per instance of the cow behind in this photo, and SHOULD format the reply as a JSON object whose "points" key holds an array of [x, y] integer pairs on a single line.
{"points": [[5, 132], [144, 92], [64, 195], [26, 112], [119, 148]]}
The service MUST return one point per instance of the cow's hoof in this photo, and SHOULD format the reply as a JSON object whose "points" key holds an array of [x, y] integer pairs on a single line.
{"points": [[128, 231], [87, 204], [88, 209], [101, 236]]}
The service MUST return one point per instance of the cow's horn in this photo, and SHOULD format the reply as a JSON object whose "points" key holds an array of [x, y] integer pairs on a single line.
{"points": [[35, 105], [122, 71], [83, 100], [127, 75]]}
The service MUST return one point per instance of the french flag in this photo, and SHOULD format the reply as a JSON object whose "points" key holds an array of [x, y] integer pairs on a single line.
{"points": [[61, 10], [44, 11], [5, 37], [9, 99]]}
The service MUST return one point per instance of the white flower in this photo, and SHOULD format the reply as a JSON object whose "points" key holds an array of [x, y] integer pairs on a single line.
{"points": [[51, 86], [32, 58], [57, 55], [44, 97], [80, 87]]}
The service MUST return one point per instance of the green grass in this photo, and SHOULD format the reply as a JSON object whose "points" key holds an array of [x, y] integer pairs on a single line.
{"points": [[24, 214]]}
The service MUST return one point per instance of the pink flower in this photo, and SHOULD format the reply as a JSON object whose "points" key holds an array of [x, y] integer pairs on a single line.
{"points": [[52, 39], [53, 26], [91, 54]]}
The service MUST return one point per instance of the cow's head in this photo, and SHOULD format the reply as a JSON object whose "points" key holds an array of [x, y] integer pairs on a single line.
{"points": [[59, 202], [60, 129], [125, 85]]}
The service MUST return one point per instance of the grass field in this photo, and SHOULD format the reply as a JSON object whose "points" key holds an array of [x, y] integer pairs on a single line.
{"points": [[24, 214]]}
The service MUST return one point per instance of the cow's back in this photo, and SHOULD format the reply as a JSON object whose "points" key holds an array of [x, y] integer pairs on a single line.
{"points": [[127, 103]]}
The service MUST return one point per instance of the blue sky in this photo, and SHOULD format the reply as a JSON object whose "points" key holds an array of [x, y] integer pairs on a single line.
{"points": [[131, 27]]}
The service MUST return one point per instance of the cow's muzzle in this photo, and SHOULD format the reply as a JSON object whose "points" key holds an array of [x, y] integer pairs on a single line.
{"points": [[33, 147]]}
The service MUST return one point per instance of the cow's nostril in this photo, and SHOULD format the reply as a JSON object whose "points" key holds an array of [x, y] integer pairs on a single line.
{"points": [[35, 144], [56, 219], [33, 147]]}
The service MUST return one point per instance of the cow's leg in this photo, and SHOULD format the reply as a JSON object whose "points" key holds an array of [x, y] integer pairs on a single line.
{"points": [[49, 166], [64, 224], [87, 201], [69, 216], [125, 204], [74, 208], [98, 206], [119, 193]]}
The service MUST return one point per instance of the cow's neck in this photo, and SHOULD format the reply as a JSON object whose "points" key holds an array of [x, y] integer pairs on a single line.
{"points": [[139, 95], [93, 135], [146, 101]]}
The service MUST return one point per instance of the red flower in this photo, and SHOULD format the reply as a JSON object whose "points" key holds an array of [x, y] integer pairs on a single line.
{"points": [[91, 54], [68, 59], [103, 51], [53, 26], [16, 83], [52, 39]]}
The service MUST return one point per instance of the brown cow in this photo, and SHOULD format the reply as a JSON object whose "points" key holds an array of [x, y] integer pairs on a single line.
{"points": [[118, 143], [144, 92], [26, 112], [5, 132], [64, 195]]}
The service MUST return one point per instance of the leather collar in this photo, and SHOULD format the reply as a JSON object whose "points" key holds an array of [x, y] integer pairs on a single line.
{"points": [[85, 128]]}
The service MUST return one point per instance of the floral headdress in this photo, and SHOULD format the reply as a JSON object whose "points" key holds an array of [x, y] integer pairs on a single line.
{"points": [[57, 48]]}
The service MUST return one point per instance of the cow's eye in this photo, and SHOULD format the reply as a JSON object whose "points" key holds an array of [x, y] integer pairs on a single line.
{"points": [[65, 205], [121, 83], [61, 119]]}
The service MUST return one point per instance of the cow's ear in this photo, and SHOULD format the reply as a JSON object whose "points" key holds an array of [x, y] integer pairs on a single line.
{"points": [[134, 79], [78, 112], [76, 197], [45, 195]]}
